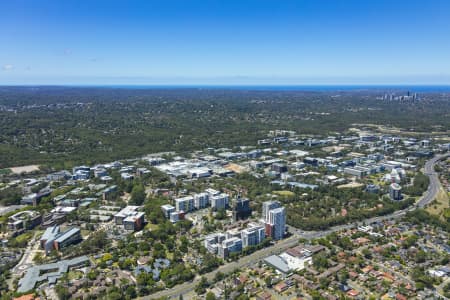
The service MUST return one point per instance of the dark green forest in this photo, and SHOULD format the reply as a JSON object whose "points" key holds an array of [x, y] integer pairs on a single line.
{"points": [[63, 126]]}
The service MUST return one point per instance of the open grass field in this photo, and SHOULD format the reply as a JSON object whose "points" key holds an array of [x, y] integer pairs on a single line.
{"points": [[151, 226], [71, 275], [440, 206], [5, 171], [350, 185], [24, 237], [25, 169], [285, 193]]}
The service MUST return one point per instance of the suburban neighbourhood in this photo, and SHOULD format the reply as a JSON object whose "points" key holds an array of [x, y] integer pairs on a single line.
{"points": [[360, 216]]}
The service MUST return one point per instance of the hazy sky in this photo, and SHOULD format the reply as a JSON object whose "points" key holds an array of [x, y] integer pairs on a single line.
{"points": [[224, 42]]}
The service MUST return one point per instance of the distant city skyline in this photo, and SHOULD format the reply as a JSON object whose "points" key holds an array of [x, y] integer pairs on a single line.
{"points": [[248, 42]]}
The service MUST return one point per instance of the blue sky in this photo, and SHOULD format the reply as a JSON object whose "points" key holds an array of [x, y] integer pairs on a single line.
{"points": [[225, 42]]}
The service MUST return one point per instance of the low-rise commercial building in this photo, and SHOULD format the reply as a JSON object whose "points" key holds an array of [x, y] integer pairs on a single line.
{"points": [[124, 213], [53, 238], [49, 272], [134, 221], [26, 220], [130, 218]]}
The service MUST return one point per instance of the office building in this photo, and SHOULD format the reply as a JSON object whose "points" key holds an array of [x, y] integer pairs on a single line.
{"points": [[220, 201], [134, 221], [60, 175], [253, 235], [241, 209], [229, 246], [167, 209], [372, 188], [267, 206], [201, 200], [81, 173], [53, 238], [67, 238], [26, 220], [124, 213], [213, 241], [35, 198], [395, 191], [49, 273], [185, 204], [278, 167], [276, 223], [358, 171]]}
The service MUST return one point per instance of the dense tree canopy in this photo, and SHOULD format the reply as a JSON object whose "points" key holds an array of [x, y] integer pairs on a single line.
{"points": [[66, 126]]}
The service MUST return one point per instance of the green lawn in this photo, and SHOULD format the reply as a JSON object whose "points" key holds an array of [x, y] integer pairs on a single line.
{"points": [[151, 226], [285, 193], [74, 275], [440, 206], [5, 171]]}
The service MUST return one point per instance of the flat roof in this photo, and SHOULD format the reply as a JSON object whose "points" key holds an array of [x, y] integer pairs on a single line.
{"points": [[133, 217], [167, 206], [125, 212]]}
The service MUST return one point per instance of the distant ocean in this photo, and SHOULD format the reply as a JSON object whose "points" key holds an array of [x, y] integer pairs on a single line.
{"points": [[310, 88], [306, 88]]}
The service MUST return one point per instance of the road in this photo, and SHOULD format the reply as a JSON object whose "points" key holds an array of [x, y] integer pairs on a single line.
{"points": [[27, 258], [227, 268], [255, 257], [426, 198]]}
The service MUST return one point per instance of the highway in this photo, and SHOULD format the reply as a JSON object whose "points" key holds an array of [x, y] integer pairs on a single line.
{"points": [[279, 247], [434, 186], [426, 198]]}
